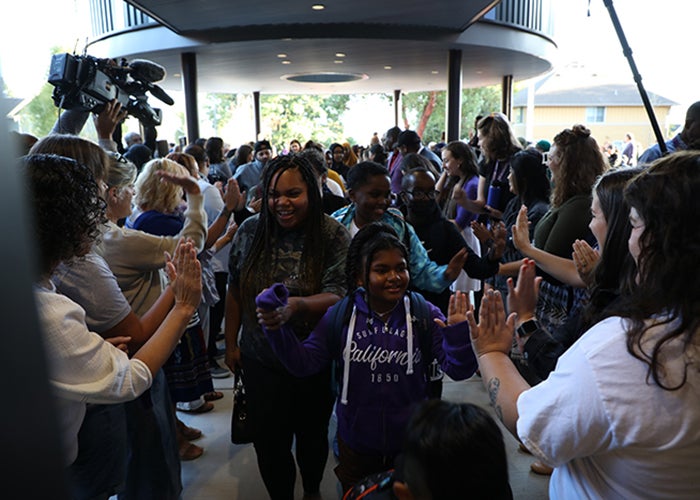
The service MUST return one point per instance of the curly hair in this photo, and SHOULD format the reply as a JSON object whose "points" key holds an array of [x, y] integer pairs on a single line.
{"points": [[151, 193], [502, 142], [71, 146], [580, 163], [369, 240], [468, 168], [667, 286], [68, 210], [258, 269]]}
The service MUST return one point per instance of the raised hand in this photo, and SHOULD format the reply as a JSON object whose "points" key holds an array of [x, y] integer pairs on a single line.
{"points": [[585, 259], [499, 233], [187, 284], [493, 333], [106, 121], [188, 183], [232, 195], [456, 264], [481, 231], [522, 299], [521, 231]]}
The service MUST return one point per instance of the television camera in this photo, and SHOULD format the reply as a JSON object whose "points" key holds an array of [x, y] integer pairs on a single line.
{"points": [[87, 83]]}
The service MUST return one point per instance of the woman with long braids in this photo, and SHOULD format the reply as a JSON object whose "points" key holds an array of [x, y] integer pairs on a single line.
{"points": [[290, 241]]}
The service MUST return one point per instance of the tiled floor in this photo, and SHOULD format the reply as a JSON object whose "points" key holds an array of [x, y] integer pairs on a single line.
{"points": [[228, 471]]}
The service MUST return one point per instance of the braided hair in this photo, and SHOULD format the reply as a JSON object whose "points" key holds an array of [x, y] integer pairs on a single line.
{"points": [[260, 263], [372, 238]]}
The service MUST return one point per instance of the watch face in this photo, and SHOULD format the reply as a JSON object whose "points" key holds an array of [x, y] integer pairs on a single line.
{"points": [[528, 328]]}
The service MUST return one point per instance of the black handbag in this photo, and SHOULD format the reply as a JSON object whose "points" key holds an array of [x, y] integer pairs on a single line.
{"points": [[241, 426]]}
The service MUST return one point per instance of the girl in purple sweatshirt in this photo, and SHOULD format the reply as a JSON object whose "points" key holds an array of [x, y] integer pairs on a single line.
{"points": [[380, 365]]}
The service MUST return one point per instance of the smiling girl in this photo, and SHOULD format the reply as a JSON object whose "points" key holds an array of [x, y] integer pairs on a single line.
{"points": [[290, 241], [379, 351]]}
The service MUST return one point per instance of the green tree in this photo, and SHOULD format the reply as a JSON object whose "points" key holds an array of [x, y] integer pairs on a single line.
{"points": [[303, 117], [218, 108], [425, 112], [39, 115]]}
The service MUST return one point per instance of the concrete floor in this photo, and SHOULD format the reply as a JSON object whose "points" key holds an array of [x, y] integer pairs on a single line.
{"points": [[228, 471]]}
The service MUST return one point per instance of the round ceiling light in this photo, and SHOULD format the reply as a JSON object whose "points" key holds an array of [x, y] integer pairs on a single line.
{"points": [[325, 77]]}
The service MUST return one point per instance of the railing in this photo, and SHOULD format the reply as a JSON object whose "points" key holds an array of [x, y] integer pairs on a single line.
{"points": [[106, 18], [531, 15]]}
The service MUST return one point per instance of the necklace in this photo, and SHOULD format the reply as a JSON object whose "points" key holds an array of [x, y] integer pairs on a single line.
{"points": [[382, 314]]}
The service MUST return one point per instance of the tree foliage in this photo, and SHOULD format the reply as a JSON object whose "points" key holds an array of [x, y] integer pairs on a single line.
{"points": [[302, 117], [428, 108], [218, 109], [39, 115]]}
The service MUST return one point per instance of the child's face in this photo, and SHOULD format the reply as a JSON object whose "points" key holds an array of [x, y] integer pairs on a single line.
{"points": [[388, 279], [371, 199], [288, 199]]}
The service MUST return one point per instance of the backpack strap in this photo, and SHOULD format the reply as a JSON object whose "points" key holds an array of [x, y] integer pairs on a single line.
{"points": [[422, 321], [339, 316]]}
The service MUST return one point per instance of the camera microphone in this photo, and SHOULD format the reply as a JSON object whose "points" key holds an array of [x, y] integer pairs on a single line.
{"points": [[147, 71], [160, 94]]}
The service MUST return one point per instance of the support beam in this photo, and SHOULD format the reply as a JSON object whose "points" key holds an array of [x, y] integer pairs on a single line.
{"points": [[256, 113], [453, 106], [397, 107], [507, 96], [188, 60]]}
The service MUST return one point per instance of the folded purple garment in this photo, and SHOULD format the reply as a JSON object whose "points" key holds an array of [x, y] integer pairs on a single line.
{"points": [[273, 297]]}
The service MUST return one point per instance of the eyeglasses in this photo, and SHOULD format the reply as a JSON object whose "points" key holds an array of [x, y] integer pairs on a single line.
{"points": [[422, 195]]}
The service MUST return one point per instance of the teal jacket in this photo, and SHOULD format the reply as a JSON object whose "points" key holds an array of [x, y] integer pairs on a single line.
{"points": [[425, 274]]}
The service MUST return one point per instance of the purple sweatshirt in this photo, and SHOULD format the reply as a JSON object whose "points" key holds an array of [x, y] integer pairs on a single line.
{"points": [[380, 391]]}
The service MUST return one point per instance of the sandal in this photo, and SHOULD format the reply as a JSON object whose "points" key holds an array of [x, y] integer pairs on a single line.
{"points": [[213, 396], [207, 406], [189, 433], [190, 452]]}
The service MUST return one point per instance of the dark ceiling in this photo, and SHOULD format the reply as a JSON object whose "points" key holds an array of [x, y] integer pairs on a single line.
{"points": [[247, 46]]}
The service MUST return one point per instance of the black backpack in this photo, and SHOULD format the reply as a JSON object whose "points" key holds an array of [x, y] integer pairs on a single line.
{"points": [[340, 316]]}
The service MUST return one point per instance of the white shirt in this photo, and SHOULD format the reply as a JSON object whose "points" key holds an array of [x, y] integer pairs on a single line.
{"points": [[608, 431], [83, 368]]}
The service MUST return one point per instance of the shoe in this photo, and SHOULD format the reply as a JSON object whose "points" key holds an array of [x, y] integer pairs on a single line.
{"points": [[207, 406], [189, 433], [220, 353], [523, 449], [190, 452], [218, 371], [541, 468], [213, 396]]}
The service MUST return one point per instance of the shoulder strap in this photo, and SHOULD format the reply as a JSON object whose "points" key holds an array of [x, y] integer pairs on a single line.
{"points": [[339, 317], [422, 321]]}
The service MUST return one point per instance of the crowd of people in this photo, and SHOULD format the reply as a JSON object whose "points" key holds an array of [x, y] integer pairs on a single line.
{"points": [[346, 282]]}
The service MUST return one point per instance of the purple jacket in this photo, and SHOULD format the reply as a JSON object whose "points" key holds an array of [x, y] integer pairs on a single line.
{"points": [[380, 392]]}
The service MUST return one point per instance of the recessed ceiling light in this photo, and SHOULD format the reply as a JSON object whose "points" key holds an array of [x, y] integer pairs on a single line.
{"points": [[338, 61], [282, 56], [318, 6], [479, 72], [286, 61], [176, 75], [434, 72], [340, 54], [387, 67]]}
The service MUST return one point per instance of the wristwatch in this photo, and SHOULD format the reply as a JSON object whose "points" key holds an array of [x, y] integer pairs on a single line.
{"points": [[528, 327]]}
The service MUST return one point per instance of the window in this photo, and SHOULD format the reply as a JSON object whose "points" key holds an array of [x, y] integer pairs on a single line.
{"points": [[519, 115], [595, 114]]}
